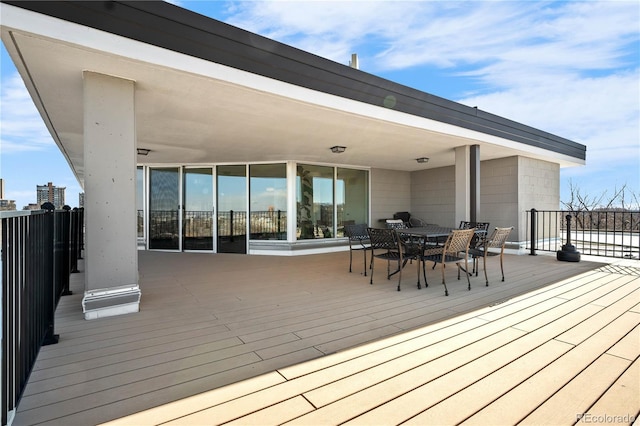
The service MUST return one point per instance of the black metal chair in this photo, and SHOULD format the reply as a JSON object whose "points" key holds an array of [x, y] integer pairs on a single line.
{"points": [[358, 241], [412, 244], [455, 250], [386, 245], [498, 239], [478, 239], [404, 216], [396, 224]]}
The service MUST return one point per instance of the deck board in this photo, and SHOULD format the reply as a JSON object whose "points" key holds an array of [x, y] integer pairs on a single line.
{"points": [[580, 393], [454, 408], [619, 404], [208, 323], [512, 407]]}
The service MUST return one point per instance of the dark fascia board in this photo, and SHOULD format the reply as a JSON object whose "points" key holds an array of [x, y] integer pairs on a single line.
{"points": [[165, 25]]}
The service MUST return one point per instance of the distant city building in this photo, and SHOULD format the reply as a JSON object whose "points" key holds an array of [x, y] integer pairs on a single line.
{"points": [[5, 204], [81, 199], [31, 206], [52, 194]]}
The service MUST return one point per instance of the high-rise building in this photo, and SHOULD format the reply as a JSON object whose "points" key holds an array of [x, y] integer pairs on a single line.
{"points": [[81, 199], [52, 194], [5, 204]]}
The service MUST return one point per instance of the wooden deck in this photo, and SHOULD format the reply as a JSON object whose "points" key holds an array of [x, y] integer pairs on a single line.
{"points": [[271, 340]]}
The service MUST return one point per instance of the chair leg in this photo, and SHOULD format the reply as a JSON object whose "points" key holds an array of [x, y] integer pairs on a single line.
{"points": [[365, 262], [371, 278], [424, 274], [466, 274], [399, 273], [446, 292], [350, 259], [485, 270], [501, 267]]}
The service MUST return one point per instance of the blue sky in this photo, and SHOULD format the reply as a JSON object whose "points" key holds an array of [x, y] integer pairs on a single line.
{"points": [[571, 68]]}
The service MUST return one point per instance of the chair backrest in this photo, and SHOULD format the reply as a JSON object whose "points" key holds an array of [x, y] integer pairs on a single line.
{"points": [[396, 224], [499, 237], [403, 216], [382, 238], [478, 225], [477, 240], [458, 241], [357, 232]]}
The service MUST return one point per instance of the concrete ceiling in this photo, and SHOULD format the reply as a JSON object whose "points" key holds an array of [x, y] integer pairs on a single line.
{"points": [[190, 111]]}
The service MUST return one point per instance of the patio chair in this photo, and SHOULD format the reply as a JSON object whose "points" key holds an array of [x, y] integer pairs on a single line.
{"points": [[411, 244], [386, 244], [416, 222], [404, 216], [358, 240], [498, 239], [479, 238], [455, 250], [396, 224]]}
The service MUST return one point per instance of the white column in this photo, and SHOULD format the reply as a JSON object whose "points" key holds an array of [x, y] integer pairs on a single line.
{"points": [[111, 255], [463, 184]]}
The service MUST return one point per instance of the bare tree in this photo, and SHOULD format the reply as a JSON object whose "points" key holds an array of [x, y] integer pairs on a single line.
{"points": [[595, 211]]}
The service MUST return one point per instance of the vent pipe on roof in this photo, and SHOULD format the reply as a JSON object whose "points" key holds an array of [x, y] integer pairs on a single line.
{"points": [[354, 61]]}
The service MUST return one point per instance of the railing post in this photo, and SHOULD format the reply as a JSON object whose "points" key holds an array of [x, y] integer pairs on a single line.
{"points": [[533, 232], [81, 232], [51, 297], [74, 231], [568, 252], [231, 226], [279, 222]]}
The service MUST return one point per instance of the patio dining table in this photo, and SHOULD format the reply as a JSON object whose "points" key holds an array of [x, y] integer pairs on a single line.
{"points": [[433, 236]]}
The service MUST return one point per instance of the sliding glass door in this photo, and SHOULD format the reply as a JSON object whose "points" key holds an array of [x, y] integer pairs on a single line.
{"points": [[198, 219], [232, 208], [164, 208]]}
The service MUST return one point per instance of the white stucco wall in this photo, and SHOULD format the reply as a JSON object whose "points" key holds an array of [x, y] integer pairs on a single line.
{"points": [[538, 187], [433, 195], [390, 193], [499, 194], [508, 188]]}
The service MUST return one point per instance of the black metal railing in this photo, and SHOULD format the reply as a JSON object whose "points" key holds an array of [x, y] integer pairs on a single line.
{"points": [[610, 233], [39, 251]]}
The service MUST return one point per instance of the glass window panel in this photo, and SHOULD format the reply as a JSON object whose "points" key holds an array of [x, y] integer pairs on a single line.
{"points": [[163, 208], [268, 201], [140, 200], [315, 201], [197, 219], [352, 197], [232, 209]]}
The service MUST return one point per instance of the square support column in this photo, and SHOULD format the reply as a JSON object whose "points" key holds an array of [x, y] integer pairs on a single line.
{"points": [[474, 183], [111, 253], [463, 185]]}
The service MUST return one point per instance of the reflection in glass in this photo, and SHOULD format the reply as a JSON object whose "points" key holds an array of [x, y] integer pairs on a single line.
{"points": [[268, 195], [140, 201], [232, 209], [314, 201], [197, 222], [352, 197], [163, 208]]}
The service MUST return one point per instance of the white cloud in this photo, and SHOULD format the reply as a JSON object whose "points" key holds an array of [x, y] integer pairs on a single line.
{"points": [[603, 113], [21, 127], [570, 68]]}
